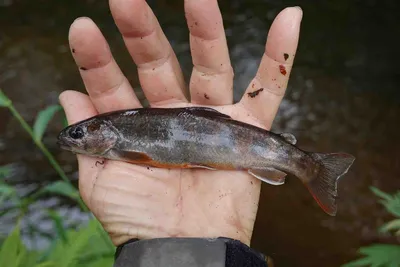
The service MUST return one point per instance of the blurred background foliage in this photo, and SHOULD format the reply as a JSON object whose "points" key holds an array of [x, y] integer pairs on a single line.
{"points": [[343, 96]]}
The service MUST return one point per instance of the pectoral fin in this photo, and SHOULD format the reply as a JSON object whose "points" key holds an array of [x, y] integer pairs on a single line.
{"points": [[289, 138], [133, 156], [202, 167], [269, 175]]}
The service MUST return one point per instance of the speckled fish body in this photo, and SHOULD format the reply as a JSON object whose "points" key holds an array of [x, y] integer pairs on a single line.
{"points": [[197, 137]]}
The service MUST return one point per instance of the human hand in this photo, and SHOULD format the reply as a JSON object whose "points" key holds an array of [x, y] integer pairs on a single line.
{"points": [[133, 201]]}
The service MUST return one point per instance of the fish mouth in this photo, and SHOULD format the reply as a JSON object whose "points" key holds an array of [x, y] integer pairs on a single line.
{"points": [[63, 145]]}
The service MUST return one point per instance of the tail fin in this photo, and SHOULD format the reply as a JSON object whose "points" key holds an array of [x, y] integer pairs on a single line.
{"points": [[324, 187]]}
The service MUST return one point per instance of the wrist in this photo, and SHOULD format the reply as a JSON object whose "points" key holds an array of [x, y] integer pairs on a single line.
{"points": [[179, 252]]}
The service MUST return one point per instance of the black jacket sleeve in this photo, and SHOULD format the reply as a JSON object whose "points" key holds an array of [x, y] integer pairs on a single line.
{"points": [[188, 252]]}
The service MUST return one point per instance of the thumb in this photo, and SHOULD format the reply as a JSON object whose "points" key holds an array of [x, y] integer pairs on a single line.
{"points": [[77, 107]]}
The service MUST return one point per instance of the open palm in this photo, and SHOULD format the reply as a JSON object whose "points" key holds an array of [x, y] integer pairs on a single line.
{"points": [[134, 201]]}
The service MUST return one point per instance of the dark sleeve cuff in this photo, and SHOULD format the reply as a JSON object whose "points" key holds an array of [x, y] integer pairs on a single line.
{"points": [[188, 252]]}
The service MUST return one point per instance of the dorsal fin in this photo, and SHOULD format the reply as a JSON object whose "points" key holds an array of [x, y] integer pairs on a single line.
{"points": [[208, 112], [289, 138]]}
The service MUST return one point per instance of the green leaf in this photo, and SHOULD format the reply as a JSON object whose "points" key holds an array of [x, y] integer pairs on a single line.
{"points": [[58, 223], [65, 120], [4, 100], [62, 188], [393, 206], [80, 243], [29, 259], [377, 255], [6, 192], [43, 119], [46, 264], [391, 202], [50, 250], [11, 248], [390, 226], [23, 253], [100, 262], [380, 193]]}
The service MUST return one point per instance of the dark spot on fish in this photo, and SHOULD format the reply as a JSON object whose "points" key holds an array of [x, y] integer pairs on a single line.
{"points": [[286, 56], [195, 23], [141, 38], [251, 182], [252, 86], [99, 162], [206, 96], [282, 69], [93, 127], [154, 68], [148, 168], [274, 79], [83, 68], [255, 93], [73, 50]]}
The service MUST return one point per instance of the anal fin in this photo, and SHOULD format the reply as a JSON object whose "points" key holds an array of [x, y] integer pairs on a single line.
{"points": [[269, 175]]}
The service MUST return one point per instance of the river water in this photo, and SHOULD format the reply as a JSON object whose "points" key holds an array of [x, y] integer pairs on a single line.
{"points": [[343, 95]]}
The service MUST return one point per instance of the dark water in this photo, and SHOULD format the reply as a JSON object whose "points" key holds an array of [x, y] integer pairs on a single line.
{"points": [[343, 95]]}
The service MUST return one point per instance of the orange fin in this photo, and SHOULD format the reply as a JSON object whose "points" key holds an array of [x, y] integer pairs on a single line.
{"points": [[269, 175], [136, 157], [324, 187]]}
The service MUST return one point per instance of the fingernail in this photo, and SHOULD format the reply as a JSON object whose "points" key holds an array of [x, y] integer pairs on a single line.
{"points": [[300, 11], [82, 18], [299, 8]]}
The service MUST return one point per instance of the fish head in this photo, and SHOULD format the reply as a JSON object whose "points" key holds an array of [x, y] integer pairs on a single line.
{"points": [[91, 137]]}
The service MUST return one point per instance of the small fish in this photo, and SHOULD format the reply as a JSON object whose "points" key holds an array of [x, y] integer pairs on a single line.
{"points": [[200, 137]]}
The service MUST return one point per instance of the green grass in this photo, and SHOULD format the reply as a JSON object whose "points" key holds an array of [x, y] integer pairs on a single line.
{"points": [[86, 246], [82, 247], [382, 255]]}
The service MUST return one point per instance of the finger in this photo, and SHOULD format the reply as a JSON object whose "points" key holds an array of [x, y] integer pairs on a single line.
{"points": [[107, 86], [77, 107], [265, 92], [212, 77], [158, 68]]}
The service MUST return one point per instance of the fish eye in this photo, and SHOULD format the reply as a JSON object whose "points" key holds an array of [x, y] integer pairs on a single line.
{"points": [[76, 133]]}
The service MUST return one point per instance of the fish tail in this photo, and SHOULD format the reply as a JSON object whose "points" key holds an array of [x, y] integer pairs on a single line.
{"points": [[324, 187]]}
